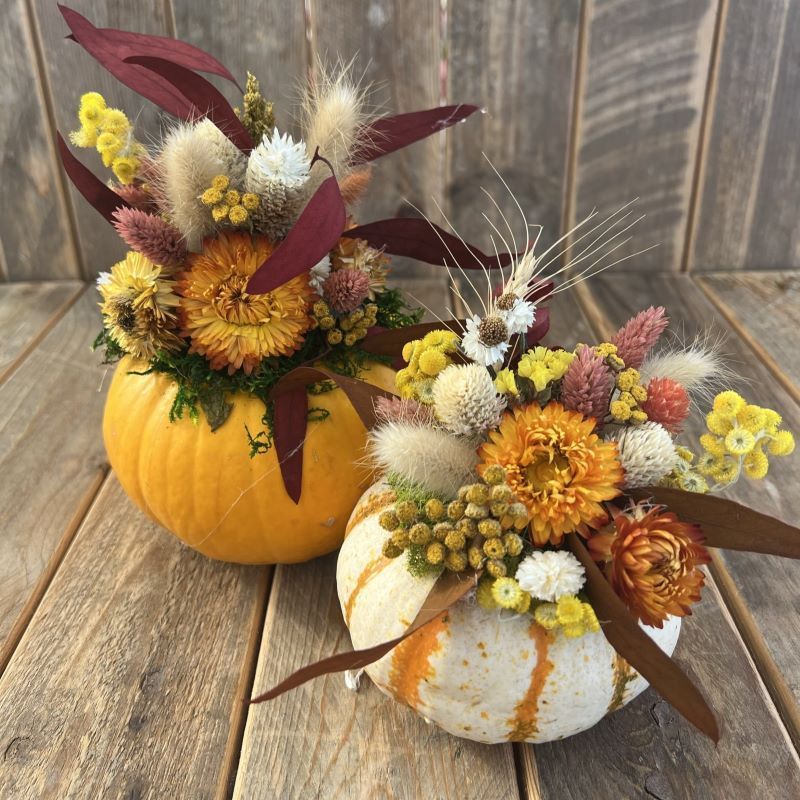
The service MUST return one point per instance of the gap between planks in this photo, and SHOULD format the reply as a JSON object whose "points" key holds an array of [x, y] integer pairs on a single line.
{"points": [[778, 697], [35, 340], [40, 588]]}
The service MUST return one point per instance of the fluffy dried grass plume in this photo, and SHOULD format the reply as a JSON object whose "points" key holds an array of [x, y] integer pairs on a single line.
{"points": [[186, 168], [232, 159], [334, 118], [430, 457]]}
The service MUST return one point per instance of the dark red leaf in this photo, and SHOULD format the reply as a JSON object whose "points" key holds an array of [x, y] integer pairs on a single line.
{"points": [[291, 416], [539, 329], [388, 134], [417, 238], [446, 592], [104, 200], [141, 80], [540, 291], [639, 650], [127, 43], [205, 98], [310, 239]]}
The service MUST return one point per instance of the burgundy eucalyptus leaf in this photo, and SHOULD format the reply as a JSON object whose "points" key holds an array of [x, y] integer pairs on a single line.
{"points": [[387, 134], [417, 238], [104, 200], [310, 239]]}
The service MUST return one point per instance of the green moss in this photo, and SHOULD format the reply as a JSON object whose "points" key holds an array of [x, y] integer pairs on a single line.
{"points": [[408, 490], [417, 564]]}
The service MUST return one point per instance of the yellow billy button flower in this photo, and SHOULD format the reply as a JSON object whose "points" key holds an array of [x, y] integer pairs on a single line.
{"points": [[728, 404], [220, 212], [620, 410], [238, 215], [781, 444], [250, 201], [211, 196], [220, 182], [432, 362]]}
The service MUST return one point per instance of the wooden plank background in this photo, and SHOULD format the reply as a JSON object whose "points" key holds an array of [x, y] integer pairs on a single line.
{"points": [[687, 105]]}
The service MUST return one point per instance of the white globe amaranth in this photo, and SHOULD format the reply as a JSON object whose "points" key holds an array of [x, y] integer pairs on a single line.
{"points": [[465, 400], [646, 452], [278, 158]]}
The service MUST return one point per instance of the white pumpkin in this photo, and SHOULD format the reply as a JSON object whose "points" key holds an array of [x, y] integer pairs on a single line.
{"points": [[485, 675]]}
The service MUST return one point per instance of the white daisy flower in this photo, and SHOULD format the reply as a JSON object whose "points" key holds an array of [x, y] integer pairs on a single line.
{"points": [[486, 340], [277, 159], [519, 315], [550, 574], [319, 273]]}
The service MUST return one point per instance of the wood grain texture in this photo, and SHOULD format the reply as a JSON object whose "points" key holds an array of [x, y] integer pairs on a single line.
{"points": [[764, 307], [750, 186], [50, 451], [27, 311], [765, 582], [515, 58], [644, 88], [71, 72], [268, 39], [647, 750], [35, 228], [128, 678], [322, 740], [395, 46]]}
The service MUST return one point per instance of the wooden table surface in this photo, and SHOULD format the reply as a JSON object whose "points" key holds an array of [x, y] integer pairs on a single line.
{"points": [[126, 657]]}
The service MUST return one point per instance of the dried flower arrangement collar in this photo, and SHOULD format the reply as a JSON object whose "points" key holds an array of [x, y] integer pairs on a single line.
{"points": [[551, 482], [246, 271]]}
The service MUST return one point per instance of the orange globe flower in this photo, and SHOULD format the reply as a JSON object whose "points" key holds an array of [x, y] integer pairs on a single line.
{"points": [[230, 327], [652, 561], [557, 466]]}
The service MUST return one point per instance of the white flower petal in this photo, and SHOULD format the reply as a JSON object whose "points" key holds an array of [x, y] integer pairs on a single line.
{"points": [[550, 574]]}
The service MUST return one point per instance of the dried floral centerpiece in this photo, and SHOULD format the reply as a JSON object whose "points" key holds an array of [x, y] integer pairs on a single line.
{"points": [[522, 567], [251, 316]]}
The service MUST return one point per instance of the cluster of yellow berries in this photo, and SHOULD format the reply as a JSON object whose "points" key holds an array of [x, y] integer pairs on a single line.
{"points": [[228, 204], [426, 358], [479, 529], [109, 131], [348, 328], [537, 369], [740, 438]]}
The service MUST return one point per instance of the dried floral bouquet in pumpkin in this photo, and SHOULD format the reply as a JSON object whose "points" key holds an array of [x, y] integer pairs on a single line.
{"points": [[247, 287], [541, 523]]}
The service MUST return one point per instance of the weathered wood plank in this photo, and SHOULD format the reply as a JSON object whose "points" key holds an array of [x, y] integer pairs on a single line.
{"points": [[128, 681], [51, 452], [27, 312], [750, 184], [766, 584], [764, 307], [642, 103], [322, 740], [269, 40], [396, 47], [34, 228], [516, 58], [70, 73]]}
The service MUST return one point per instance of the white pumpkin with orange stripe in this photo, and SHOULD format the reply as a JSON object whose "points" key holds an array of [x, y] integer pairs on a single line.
{"points": [[484, 675]]}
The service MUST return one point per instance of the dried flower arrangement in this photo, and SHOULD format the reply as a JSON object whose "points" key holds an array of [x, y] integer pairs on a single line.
{"points": [[247, 282], [538, 524]]}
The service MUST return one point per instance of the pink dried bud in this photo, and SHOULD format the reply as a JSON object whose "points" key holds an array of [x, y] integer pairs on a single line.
{"points": [[667, 403], [635, 338], [395, 409], [346, 289], [135, 196], [151, 236], [586, 387]]}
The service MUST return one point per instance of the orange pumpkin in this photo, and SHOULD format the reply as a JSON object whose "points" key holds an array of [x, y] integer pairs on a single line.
{"points": [[204, 487]]}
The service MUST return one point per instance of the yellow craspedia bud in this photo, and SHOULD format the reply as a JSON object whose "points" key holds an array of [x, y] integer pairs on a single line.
{"points": [[211, 197], [620, 410], [605, 349], [569, 610], [496, 568], [756, 465], [432, 362], [728, 404], [445, 340], [434, 509], [781, 444], [752, 417], [334, 337], [250, 201], [712, 444], [85, 137], [455, 561], [545, 615], [628, 399], [772, 419], [92, 109], [115, 121], [402, 379], [435, 553], [125, 168], [408, 350], [718, 423], [238, 214], [506, 383], [108, 143], [406, 511], [220, 212], [232, 197], [220, 182], [627, 379], [638, 416], [739, 441], [388, 520], [93, 99], [639, 393]]}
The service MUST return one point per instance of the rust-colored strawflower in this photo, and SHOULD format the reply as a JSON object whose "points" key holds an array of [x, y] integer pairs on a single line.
{"points": [[231, 327], [652, 560], [667, 403], [637, 336], [557, 466]]}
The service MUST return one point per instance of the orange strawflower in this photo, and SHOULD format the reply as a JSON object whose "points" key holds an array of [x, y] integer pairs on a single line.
{"points": [[230, 327], [652, 561], [557, 466]]}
